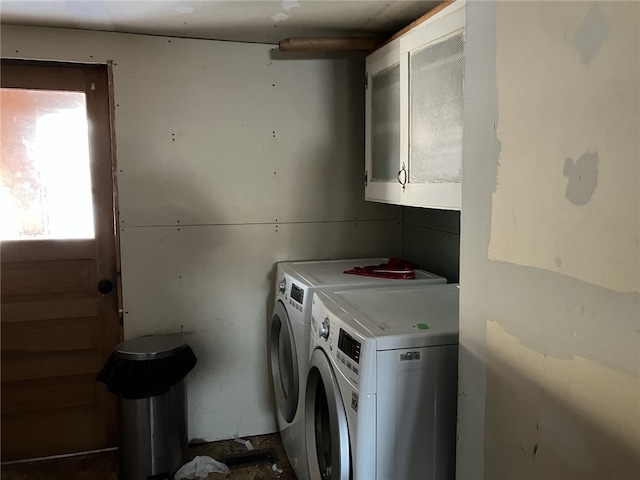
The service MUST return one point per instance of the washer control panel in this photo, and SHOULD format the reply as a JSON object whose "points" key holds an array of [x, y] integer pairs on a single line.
{"points": [[296, 296]]}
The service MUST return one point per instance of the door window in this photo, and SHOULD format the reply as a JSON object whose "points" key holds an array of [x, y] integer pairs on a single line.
{"points": [[45, 177], [322, 429], [284, 363], [328, 448]]}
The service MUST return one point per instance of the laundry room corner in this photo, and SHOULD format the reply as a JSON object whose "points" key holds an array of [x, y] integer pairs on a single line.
{"points": [[218, 179]]}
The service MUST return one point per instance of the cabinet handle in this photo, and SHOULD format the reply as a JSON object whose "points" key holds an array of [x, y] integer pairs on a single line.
{"points": [[402, 176]]}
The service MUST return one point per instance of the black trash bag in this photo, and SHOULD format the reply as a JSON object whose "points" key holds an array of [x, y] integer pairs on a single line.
{"points": [[136, 379]]}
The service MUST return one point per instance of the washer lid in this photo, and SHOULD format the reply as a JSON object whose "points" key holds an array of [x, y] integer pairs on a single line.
{"points": [[402, 317], [151, 347], [331, 273]]}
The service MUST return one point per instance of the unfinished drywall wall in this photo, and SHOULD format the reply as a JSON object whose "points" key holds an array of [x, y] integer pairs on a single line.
{"points": [[230, 159], [550, 242], [431, 239], [572, 123]]}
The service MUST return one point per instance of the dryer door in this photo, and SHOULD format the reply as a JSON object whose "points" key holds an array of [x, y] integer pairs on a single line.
{"points": [[284, 366], [327, 431]]}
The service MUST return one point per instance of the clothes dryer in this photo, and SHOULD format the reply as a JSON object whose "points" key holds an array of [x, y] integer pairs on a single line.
{"points": [[289, 332], [382, 384]]}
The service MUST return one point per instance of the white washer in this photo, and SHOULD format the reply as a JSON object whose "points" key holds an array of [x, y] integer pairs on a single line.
{"points": [[382, 383], [289, 331]]}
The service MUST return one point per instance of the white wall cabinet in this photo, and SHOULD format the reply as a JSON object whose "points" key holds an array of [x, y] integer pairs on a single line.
{"points": [[414, 113]]}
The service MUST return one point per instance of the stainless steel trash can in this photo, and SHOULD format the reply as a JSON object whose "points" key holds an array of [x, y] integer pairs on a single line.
{"points": [[148, 375]]}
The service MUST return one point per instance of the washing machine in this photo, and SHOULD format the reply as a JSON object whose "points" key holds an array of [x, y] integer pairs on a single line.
{"points": [[382, 384], [289, 332]]}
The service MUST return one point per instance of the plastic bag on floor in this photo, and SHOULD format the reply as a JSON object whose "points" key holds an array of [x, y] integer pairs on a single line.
{"points": [[200, 467]]}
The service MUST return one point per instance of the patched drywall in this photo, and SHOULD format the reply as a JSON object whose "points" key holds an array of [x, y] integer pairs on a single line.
{"points": [[564, 418], [550, 253], [567, 196], [582, 175], [591, 34]]}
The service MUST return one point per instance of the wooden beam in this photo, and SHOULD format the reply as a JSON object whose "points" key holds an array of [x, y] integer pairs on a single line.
{"points": [[317, 44], [415, 23], [367, 44]]}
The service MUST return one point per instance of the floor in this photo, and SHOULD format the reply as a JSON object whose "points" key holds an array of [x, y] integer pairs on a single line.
{"points": [[104, 466]]}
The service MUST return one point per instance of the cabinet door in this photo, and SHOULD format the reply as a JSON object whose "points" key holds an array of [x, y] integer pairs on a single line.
{"points": [[435, 58], [383, 126]]}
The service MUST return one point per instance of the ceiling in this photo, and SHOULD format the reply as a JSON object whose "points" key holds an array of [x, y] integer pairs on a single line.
{"points": [[264, 21]]}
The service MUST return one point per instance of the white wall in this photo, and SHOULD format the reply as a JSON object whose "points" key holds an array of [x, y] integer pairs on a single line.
{"points": [[230, 158], [550, 311]]}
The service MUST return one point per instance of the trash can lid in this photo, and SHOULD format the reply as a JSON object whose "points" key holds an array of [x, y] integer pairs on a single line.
{"points": [[150, 347]]}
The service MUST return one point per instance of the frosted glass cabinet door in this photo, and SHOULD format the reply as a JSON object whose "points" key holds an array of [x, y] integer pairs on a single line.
{"points": [[434, 52], [436, 101], [385, 124], [436, 73]]}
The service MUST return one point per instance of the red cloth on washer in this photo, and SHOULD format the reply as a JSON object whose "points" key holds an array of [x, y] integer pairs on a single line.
{"points": [[395, 268]]}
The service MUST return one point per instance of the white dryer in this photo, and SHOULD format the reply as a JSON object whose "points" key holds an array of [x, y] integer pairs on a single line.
{"points": [[289, 331], [382, 384]]}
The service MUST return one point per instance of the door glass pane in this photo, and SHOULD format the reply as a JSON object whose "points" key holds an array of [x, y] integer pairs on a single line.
{"points": [[285, 362], [322, 428], [45, 181], [385, 125], [436, 101]]}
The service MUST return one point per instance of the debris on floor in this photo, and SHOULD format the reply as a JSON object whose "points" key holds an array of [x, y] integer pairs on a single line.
{"points": [[104, 465], [200, 467], [244, 442]]}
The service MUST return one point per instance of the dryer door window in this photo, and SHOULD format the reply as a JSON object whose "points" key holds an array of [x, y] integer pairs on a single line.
{"points": [[327, 432], [284, 367]]}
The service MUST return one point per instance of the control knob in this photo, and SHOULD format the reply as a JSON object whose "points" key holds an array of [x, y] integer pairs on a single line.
{"points": [[324, 328], [282, 286]]}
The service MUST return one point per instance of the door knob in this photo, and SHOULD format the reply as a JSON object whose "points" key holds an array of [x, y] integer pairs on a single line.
{"points": [[105, 286]]}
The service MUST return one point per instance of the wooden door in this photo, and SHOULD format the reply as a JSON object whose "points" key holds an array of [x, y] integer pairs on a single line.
{"points": [[57, 328]]}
